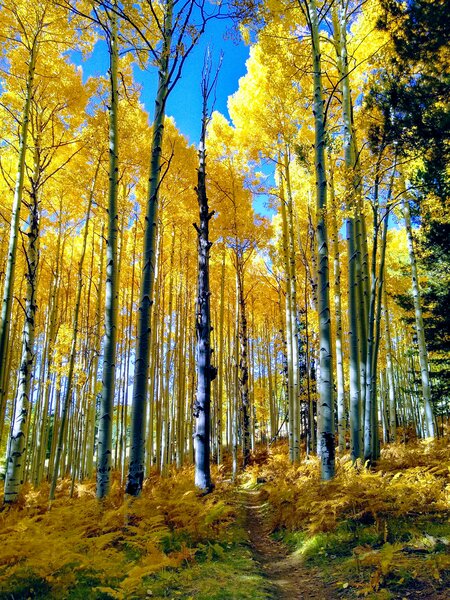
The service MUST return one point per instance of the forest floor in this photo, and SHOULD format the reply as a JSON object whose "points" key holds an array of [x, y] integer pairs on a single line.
{"points": [[287, 577], [278, 532]]}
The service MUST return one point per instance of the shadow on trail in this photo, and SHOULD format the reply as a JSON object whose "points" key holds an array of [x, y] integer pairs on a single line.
{"points": [[288, 578]]}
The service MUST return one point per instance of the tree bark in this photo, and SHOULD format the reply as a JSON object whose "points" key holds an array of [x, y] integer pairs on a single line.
{"points": [[104, 448], [136, 467], [8, 286], [205, 371], [73, 351], [18, 442], [326, 441], [423, 354]]}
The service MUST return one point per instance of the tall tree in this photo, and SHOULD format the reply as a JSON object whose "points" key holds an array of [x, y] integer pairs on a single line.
{"points": [[111, 292], [17, 446], [423, 353], [326, 441], [54, 115], [68, 393], [177, 36], [206, 372], [25, 30]]}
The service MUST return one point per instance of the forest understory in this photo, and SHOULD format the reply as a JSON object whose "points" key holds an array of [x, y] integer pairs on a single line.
{"points": [[277, 532], [195, 318]]}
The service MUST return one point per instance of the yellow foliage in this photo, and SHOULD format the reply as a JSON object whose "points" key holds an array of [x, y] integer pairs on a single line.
{"points": [[407, 481], [119, 542]]}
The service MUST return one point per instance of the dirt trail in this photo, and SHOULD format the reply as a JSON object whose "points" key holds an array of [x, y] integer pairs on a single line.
{"points": [[288, 578]]}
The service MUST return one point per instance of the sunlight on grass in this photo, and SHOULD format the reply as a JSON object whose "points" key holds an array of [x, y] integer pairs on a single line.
{"points": [[375, 533], [372, 531], [234, 576]]}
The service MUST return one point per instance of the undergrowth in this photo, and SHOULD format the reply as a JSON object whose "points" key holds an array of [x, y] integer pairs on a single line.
{"points": [[122, 548], [379, 533], [372, 532]]}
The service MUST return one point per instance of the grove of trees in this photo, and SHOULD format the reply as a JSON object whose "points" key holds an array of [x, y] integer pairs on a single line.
{"points": [[132, 341]]}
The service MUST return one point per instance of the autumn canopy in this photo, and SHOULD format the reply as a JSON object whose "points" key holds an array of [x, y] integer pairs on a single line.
{"points": [[285, 279]]}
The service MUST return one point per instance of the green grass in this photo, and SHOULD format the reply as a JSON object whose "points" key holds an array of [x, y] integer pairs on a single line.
{"points": [[25, 586], [384, 559], [221, 571], [232, 576]]}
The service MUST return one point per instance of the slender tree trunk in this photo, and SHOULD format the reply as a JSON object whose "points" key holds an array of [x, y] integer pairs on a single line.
{"points": [[294, 336], [340, 27], [73, 351], [104, 448], [341, 409], [363, 314], [18, 443], [390, 375], [423, 354], [243, 368], [369, 424], [220, 362], [166, 415], [205, 371], [326, 370], [137, 450], [374, 370], [267, 356], [234, 414], [92, 406], [8, 286], [289, 317], [311, 438], [154, 429], [51, 339]]}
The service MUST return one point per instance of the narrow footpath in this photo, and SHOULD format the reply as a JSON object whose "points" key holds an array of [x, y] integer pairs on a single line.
{"points": [[287, 578]]}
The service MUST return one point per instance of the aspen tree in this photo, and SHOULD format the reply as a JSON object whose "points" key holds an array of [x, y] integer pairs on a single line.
{"points": [[326, 371], [129, 335], [243, 360], [220, 360], [390, 374], [91, 373], [294, 336], [31, 41], [374, 373], [229, 371], [340, 41], [166, 420], [370, 413], [289, 328], [18, 443], [49, 125], [371, 450], [341, 408], [54, 292], [183, 351], [423, 355], [73, 349], [235, 402], [104, 449], [154, 424], [185, 35], [369, 399], [91, 414], [122, 352], [206, 372]]}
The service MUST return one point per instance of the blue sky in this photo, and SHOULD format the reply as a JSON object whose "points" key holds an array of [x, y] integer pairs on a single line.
{"points": [[184, 103]]}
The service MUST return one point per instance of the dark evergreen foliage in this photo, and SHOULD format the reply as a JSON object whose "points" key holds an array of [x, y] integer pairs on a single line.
{"points": [[413, 92], [435, 247]]}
